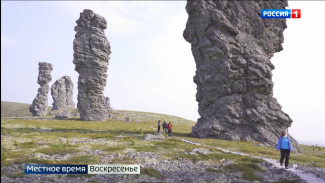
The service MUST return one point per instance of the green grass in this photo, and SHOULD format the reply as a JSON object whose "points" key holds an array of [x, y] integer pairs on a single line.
{"points": [[247, 169], [312, 156], [124, 160], [13, 109], [27, 145], [151, 172], [28, 160], [84, 159], [20, 139], [59, 149], [11, 155], [212, 170], [107, 148]]}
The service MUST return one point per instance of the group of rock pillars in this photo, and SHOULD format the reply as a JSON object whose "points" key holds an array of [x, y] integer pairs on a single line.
{"points": [[232, 47], [91, 56]]}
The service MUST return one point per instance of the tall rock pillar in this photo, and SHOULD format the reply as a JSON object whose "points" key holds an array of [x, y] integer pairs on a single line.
{"points": [[91, 56], [40, 103], [232, 47], [62, 93]]}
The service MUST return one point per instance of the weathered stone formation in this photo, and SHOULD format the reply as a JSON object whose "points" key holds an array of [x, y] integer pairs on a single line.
{"points": [[40, 104], [232, 47], [107, 103], [62, 91], [91, 55]]}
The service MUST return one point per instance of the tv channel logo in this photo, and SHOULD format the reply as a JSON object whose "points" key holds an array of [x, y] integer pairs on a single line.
{"points": [[280, 13]]}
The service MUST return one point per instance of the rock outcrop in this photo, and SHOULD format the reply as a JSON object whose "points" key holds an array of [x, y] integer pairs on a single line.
{"points": [[91, 56], [62, 93], [40, 103], [107, 103], [200, 151], [154, 137], [63, 115], [232, 47]]}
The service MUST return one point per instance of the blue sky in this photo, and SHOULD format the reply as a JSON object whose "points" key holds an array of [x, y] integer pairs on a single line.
{"points": [[151, 66]]}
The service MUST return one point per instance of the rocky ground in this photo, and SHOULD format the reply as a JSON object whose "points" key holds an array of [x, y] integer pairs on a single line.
{"points": [[180, 158], [158, 169]]}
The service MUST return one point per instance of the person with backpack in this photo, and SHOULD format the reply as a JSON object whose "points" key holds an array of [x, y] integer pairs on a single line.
{"points": [[285, 147], [164, 125], [169, 127], [158, 126]]}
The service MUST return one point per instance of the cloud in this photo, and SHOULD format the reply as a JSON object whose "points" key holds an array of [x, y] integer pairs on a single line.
{"points": [[7, 42]]}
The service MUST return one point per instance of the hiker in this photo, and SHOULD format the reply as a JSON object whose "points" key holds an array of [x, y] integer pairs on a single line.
{"points": [[169, 127], [109, 116], [285, 147], [158, 126], [164, 125]]}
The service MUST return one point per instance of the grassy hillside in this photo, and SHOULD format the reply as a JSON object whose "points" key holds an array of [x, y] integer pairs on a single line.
{"points": [[50, 141], [13, 109]]}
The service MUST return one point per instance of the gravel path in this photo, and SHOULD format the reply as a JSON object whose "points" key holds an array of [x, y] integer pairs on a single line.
{"points": [[308, 177]]}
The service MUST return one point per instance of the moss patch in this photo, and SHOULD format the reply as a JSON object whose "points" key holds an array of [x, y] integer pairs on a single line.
{"points": [[60, 149], [247, 169], [151, 172]]}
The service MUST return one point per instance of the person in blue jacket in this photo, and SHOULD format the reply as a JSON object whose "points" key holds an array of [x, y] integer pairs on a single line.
{"points": [[285, 147]]}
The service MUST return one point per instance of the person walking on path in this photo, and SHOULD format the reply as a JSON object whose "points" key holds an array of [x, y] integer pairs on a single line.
{"points": [[164, 125], [169, 127], [285, 147], [158, 126]]}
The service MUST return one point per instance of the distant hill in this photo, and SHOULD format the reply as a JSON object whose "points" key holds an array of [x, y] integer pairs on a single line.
{"points": [[14, 109]]}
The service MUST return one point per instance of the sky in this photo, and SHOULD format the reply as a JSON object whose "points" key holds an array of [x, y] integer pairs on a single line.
{"points": [[151, 67]]}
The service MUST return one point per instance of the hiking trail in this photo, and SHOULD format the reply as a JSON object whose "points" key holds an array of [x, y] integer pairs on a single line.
{"points": [[308, 177]]}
